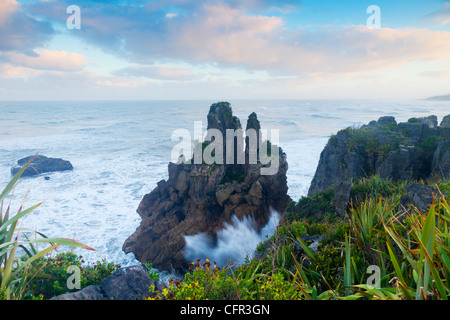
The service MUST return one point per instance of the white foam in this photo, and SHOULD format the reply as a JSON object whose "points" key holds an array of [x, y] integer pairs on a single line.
{"points": [[235, 242]]}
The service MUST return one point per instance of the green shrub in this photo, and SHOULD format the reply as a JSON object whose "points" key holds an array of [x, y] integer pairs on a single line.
{"points": [[373, 186], [294, 229], [209, 282], [413, 120], [313, 207], [52, 276], [154, 275]]}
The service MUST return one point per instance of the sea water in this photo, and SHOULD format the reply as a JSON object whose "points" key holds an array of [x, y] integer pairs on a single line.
{"points": [[121, 149]]}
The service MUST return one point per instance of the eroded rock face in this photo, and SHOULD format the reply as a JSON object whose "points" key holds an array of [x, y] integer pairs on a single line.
{"points": [[446, 122], [201, 198], [413, 150], [420, 196], [441, 159]]}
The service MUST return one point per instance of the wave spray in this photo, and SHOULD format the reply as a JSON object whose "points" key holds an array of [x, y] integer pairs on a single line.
{"points": [[235, 242]]}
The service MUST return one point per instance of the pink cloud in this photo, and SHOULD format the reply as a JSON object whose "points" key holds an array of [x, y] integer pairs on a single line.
{"points": [[10, 71], [7, 7], [226, 35], [48, 60], [229, 36]]}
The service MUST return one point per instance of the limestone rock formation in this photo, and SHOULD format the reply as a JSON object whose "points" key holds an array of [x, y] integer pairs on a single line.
{"points": [[446, 122], [441, 159], [202, 198], [417, 149]]}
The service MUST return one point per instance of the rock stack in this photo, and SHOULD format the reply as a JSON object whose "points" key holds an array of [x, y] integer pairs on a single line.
{"points": [[202, 198]]}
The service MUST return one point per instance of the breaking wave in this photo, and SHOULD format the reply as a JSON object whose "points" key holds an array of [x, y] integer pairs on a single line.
{"points": [[235, 242]]}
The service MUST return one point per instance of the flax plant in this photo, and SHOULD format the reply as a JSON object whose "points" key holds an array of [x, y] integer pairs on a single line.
{"points": [[412, 253], [17, 271], [417, 258]]}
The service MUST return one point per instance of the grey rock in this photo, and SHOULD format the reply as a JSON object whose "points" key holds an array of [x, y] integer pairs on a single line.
{"points": [[314, 246], [441, 160], [401, 164], [336, 164], [445, 123], [341, 197], [41, 164], [252, 147], [88, 293], [430, 121], [386, 120], [421, 196], [127, 283]]}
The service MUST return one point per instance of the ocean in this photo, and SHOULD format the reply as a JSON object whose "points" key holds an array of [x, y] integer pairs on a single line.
{"points": [[121, 149]]}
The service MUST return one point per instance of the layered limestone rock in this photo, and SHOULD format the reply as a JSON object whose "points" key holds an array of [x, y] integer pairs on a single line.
{"points": [[413, 150], [202, 198]]}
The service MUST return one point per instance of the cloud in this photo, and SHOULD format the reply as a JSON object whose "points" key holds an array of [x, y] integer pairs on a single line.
{"points": [[205, 36], [117, 82], [20, 31], [161, 72], [226, 35], [357, 48], [436, 74], [48, 60], [195, 6], [11, 71], [441, 16], [7, 7]]}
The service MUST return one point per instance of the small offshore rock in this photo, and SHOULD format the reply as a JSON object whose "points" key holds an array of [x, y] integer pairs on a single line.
{"points": [[41, 164]]}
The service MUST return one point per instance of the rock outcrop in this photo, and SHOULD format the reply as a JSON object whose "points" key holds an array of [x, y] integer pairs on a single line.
{"points": [[419, 196], [128, 283], [413, 150], [202, 198], [41, 164]]}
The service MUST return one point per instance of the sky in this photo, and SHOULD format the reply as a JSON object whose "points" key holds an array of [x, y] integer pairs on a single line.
{"points": [[223, 49]]}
